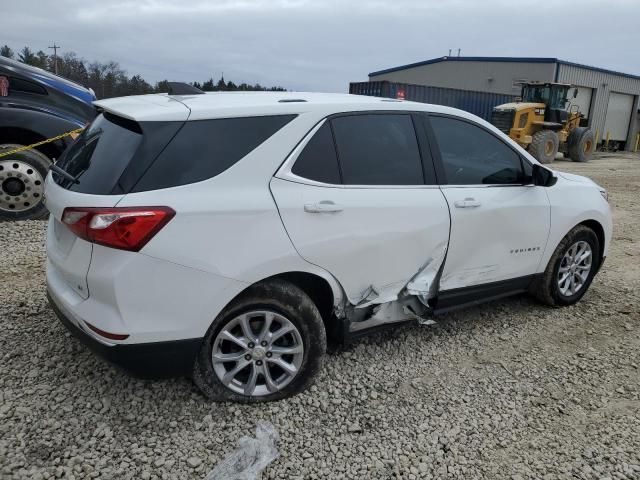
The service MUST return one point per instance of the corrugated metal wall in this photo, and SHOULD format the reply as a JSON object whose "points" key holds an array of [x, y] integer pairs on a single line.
{"points": [[603, 83], [478, 103]]}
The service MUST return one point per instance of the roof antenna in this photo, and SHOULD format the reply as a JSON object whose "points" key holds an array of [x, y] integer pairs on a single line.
{"points": [[458, 52]]}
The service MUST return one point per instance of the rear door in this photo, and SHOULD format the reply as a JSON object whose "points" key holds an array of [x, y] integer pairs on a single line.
{"points": [[499, 220], [358, 199]]}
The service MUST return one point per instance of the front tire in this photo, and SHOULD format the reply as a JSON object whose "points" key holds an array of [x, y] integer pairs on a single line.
{"points": [[544, 146], [246, 357], [570, 270], [581, 144], [22, 177]]}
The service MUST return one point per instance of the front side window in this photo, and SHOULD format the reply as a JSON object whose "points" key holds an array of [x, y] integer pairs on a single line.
{"points": [[473, 156], [558, 97], [378, 149]]}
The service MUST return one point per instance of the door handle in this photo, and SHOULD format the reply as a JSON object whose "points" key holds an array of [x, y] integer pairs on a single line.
{"points": [[325, 206], [467, 203]]}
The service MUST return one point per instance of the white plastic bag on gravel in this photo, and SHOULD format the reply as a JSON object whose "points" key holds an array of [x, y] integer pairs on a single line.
{"points": [[251, 457]]}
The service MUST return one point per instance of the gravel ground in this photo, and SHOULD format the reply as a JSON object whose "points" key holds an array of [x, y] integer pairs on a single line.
{"points": [[506, 390]]}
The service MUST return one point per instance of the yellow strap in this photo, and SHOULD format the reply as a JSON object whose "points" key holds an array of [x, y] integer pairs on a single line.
{"points": [[75, 132]]}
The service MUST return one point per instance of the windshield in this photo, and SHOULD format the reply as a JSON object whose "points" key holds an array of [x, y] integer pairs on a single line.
{"points": [[552, 96], [535, 94]]}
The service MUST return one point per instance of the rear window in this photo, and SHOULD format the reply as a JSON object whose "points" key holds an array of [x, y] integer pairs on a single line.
{"points": [[116, 155], [100, 155], [203, 149]]}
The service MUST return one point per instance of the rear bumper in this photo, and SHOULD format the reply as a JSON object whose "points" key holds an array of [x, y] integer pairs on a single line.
{"points": [[145, 360]]}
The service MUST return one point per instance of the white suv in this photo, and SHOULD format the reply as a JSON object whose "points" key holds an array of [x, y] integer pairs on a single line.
{"points": [[227, 235]]}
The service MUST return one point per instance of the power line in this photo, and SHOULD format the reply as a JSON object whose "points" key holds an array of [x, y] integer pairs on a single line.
{"points": [[55, 57]]}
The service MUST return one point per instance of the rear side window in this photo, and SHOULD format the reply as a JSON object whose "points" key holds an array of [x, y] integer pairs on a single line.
{"points": [[25, 86], [378, 149], [203, 149], [473, 156], [318, 160]]}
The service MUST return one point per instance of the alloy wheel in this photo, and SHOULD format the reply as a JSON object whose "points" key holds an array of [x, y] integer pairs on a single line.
{"points": [[257, 353], [575, 267]]}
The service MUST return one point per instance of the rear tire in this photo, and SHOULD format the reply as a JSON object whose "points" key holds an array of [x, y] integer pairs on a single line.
{"points": [[581, 144], [550, 288], [288, 306], [544, 146], [22, 177]]}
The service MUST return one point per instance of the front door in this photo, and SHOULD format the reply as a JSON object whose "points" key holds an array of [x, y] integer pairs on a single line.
{"points": [[361, 207], [499, 220]]}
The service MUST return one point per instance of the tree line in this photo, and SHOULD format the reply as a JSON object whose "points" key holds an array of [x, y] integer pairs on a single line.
{"points": [[109, 79]]}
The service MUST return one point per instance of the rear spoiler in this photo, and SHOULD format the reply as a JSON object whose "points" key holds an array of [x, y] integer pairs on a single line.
{"points": [[181, 88], [140, 108]]}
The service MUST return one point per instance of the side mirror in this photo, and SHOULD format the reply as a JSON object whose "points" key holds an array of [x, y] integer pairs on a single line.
{"points": [[575, 93], [543, 177]]}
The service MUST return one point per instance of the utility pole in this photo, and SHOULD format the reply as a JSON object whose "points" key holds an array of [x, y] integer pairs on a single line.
{"points": [[55, 57]]}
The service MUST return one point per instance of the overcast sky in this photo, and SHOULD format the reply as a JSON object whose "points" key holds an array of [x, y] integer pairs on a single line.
{"points": [[320, 45]]}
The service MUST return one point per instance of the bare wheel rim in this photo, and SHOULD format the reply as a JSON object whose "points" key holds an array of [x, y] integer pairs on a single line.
{"points": [[257, 353], [548, 147], [575, 267], [21, 186]]}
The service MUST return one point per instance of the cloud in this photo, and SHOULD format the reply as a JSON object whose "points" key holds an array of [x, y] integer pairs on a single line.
{"points": [[318, 45]]}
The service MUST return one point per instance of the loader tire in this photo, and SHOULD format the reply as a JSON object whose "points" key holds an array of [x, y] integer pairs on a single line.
{"points": [[581, 144], [544, 146]]}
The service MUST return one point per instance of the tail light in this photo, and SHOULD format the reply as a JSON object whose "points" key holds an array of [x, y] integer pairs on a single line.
{"points": [[126, 228]]}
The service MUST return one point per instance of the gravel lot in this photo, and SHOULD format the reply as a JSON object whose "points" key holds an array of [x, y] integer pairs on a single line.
{"points": [[507, 390]]}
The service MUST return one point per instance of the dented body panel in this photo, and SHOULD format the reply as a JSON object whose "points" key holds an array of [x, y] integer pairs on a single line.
{"points": [[376, 244], [503, 236]]}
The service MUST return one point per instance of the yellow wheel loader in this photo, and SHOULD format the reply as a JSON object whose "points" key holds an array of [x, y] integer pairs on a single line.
{"points": [[544, 121]]}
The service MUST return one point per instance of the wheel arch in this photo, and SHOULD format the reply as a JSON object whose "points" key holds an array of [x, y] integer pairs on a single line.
{"points": [[24, 126], [598, 229], [323, 290], [24, 136]]}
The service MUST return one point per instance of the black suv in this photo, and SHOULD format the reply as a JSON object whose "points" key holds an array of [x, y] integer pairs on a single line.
{"points": [[34, 105]]}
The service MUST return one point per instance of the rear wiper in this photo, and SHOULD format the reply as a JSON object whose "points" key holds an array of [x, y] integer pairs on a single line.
{"points": [[63, 173]]}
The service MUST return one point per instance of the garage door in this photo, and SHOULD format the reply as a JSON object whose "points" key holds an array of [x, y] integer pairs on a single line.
{"points": [[582, 100], [618, 117]]}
